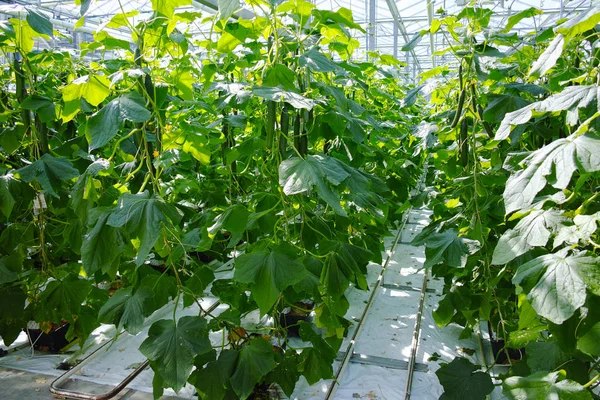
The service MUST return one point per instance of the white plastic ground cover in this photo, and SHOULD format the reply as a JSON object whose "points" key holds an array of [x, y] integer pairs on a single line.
{"points": [[118, 359], [387, 332]]}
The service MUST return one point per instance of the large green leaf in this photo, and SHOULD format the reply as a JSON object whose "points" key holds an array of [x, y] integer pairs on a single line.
{"points": [[212, 381], [7, 201], [548, 58], [413, 42], [280, 95], [317, 61], [590, 342], [297, 175], [532, 231], [39, 21], [500, 105], [101, 246], [93, 88], [167, 7], [572, 98], [143, 215], [48, 171], [269, 272], [10, 267], [561, 290], [286, 373], [461, 381], [125, 309], [227, 7], [106, 123], [62, 299], [560, 159], [256, 359], [316, 362], [171, 348], [581, 23], [447, 246], [543, 386], [521, 15], [12, 313], [345, 263]]}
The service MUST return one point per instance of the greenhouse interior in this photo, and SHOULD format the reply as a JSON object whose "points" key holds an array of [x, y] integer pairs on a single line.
{"points": [[300, 199]]}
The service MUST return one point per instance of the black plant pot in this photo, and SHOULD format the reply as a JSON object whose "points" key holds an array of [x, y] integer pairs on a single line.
{"points": [[500, 353], [52, 342], [290, 319]]}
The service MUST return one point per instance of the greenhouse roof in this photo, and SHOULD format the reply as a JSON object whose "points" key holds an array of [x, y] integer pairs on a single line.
{"points": [[389, 24]]}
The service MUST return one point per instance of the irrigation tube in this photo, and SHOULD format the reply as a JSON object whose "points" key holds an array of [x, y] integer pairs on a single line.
{"points": [[55, 387], [350, 349], [415, 341]]}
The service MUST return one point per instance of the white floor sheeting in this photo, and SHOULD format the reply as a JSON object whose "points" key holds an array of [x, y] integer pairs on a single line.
{"points": [[387, 333]]}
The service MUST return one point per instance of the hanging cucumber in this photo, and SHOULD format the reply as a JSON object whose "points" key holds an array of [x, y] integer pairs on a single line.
{"points": [[463, 144], [461, 99], [297, 123], [270, 128], [285, 129]]}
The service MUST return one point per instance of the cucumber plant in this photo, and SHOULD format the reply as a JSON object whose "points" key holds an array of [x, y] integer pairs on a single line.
{"points": [[514, 232], [126, 181]]}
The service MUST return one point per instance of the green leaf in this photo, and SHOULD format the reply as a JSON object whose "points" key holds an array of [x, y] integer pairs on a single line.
{"points": [[414, 41], [48, 171], [62, 299], [297, 175], [543, 386], [449, 247], [171, 348], [106, 123], [560, 159], [342, 16], [234, 219], [256, 359], [10, 267], [93, 88], [12, 313], [500, 105], [212, 381], [544, 356], [39, 22], [590, 342], [316, 362], [581, 23], [143, 216], [518, 17], [125, 309], [102, 246], [7, 201], [532, 231], [572, 98], [44, 107], [411, 96], [461, 381], [269, 272], [345, 263], [548, 58], [286, 373], [317, 61], [280, 95], [280, 75], [561, 290], [227, 8], [167, 7]]}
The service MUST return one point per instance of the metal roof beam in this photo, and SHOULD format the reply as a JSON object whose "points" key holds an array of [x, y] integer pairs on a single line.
{"points": [[400, 24]]}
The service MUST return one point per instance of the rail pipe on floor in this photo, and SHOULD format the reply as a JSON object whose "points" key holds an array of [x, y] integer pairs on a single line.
{"points": [[350, 350], [56, 386]]}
